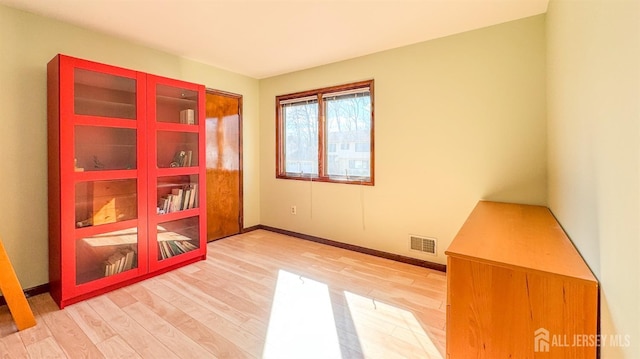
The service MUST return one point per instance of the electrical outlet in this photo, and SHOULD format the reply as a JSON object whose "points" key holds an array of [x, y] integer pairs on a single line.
{"points": [[293, 210]]}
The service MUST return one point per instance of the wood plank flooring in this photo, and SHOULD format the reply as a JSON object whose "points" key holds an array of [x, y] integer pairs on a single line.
{"points": [[258, 295]]}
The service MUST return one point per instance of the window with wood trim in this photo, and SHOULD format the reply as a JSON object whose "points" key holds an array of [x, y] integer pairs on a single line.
{"points": [[326, 134]]}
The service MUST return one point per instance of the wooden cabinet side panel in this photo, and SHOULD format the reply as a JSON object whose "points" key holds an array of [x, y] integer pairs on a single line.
{"points": [[53, 167], [494, 312]]}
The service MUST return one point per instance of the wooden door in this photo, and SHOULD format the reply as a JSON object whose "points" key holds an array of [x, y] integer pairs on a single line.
{"points": [[224, 164]]}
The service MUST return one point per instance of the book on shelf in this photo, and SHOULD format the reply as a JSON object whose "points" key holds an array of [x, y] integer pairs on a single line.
{"points": [[188, 117], [120, 261], [163, 250], [179, 199], [188, 159], [192, 196], [193, 201], [185, 200], [170, 248]]}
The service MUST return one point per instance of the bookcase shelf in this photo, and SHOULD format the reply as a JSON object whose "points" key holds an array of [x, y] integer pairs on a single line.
{"points": [[177, 127], [119, 141], [116, 109], [104, 122], [177, 171], [104, 229], [104, 175], [179, 100]]}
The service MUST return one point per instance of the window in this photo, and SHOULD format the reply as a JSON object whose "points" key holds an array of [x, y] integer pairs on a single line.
{"points": [[312, 124], [358, 164], [362, 147]]}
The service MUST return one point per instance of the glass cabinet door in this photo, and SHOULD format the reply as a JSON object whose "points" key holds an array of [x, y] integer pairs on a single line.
{"points": [[109, 177], [177, 142]]}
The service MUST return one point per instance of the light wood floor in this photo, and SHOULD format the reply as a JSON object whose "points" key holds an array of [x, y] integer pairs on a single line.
{"points": [[258, 295]]}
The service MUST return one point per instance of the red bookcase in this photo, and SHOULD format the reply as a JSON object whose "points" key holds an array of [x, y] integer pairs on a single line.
{"points": [[123, 145]]}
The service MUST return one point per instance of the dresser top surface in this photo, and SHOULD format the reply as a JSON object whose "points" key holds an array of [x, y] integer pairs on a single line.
{"points": [[515, 235]]}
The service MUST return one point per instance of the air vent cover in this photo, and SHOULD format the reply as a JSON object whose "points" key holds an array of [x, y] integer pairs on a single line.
{"points": [[423, 244]]}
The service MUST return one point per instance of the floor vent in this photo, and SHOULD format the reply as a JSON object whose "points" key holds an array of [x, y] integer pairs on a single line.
{"points": [[423, 244]]}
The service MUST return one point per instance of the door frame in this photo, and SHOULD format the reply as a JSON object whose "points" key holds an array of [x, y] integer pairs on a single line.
{"points": [[240, 152]]}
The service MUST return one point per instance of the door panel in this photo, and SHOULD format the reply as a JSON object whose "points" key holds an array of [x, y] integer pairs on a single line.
{"points": [[224, 179]]}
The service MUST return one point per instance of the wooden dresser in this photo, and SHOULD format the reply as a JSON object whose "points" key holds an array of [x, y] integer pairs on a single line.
{"points": [[518, 288]]}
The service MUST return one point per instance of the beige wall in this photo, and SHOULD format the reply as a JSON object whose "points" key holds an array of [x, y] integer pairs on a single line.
{"points": [[594, 149], [457, 120], [27, 43]]}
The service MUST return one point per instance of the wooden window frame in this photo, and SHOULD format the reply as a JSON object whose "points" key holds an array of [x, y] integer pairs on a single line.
{"points": [[322, 148]]}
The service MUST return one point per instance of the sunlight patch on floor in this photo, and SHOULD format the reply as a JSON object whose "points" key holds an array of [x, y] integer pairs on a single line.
{"points": [[301, 323], [310, 320], [388, 330]]}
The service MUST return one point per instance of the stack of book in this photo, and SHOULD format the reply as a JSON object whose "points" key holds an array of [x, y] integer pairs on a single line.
{"points": [[188, 117], [172, 248], [180, 199], [120, 261]]}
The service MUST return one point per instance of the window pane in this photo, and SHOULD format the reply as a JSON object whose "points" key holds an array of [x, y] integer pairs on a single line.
{"points": [[339, 118], [100, 94], [109, 201], [177, 149], [100, 148], [300, 137], [106, 254], [348, 130], [176, 105]]}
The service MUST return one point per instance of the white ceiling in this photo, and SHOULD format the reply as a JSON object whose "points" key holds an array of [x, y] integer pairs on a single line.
{"points": [[263, 38]]}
